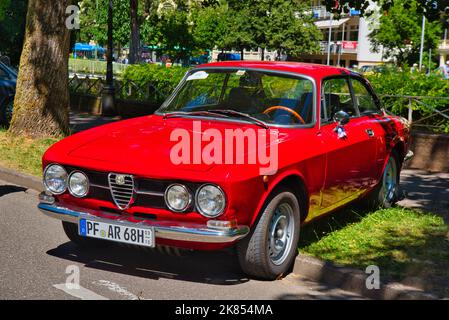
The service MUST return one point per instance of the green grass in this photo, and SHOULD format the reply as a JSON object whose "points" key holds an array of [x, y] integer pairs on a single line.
{"points": [[23, 154], [403, 243]]}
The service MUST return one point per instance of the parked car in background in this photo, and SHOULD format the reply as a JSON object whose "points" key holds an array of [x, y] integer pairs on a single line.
{"points": [[8, 79], [333, 144]]}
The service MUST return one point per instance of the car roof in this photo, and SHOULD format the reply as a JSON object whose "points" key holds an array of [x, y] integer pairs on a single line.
{"points": [[310, 69]]}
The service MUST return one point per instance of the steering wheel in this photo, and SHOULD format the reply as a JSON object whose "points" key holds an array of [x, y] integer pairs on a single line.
{"points": [[293, 112]]}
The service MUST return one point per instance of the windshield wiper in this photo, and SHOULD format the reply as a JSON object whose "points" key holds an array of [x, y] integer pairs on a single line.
{"points": [[237, 114], [192, 113]]}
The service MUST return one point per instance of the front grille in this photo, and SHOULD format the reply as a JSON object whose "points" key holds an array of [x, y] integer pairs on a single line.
{"points": [[138, 192], [122, 189]]}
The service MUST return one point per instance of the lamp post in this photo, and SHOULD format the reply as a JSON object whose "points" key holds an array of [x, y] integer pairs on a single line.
{"points": [[107, 94]]}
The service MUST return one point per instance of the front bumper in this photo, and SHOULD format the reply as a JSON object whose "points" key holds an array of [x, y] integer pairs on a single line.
{"points": [[170, 230]]}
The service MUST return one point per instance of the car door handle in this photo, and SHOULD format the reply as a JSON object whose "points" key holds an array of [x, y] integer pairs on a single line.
{"points": [[370, 133]]}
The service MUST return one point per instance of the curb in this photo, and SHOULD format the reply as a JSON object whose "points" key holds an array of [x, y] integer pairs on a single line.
{"points": [[354, 280], [21, 179]]}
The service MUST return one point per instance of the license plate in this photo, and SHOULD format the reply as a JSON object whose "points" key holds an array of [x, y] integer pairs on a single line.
{"points": [[119, 232]]}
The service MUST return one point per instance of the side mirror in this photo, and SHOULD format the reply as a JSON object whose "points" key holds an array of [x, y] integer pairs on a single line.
{"points": [[342, 118]]}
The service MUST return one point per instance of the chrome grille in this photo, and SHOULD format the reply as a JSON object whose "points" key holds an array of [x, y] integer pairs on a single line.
{"points": [[122, 189]]}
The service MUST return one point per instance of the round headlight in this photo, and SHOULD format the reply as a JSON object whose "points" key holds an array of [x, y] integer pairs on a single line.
{"points": [[78, 184], [55, 179], [210, 201], [177, 198]]}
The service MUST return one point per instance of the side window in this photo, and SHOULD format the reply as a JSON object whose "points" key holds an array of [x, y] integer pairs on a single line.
{"points": [[336, 97], [363, 98]]}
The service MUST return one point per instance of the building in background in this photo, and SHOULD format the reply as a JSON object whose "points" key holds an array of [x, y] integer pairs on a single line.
{"points": [[350, 44]]}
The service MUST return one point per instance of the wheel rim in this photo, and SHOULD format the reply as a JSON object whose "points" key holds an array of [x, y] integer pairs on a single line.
{"points": [[390, 180], [280, 236]]}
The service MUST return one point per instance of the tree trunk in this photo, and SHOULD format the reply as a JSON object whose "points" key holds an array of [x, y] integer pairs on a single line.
{"points": [[41, 105], [134, 50]]}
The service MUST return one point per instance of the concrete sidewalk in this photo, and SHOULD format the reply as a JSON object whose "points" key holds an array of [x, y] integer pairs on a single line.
{"points": [[84, 121], [428, 191]]}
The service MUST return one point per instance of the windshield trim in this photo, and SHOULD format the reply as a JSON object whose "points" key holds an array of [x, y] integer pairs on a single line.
{"points": [[160, 112]]}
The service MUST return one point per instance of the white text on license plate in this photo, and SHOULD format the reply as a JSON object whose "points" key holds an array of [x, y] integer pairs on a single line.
{"points": [[117, 232]]}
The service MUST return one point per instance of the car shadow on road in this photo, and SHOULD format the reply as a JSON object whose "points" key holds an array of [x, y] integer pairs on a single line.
{"points": [[8, 189], [219, 268]]}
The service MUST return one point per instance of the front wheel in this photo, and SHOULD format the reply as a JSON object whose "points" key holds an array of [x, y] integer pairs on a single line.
{"points": [[269, 250]]}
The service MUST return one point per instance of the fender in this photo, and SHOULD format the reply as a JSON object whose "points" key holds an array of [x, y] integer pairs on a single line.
{"points": [[273, 184]]}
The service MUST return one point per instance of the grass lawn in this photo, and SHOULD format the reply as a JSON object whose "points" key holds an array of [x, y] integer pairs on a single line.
{"points": [[403, 243], [23, 154]]}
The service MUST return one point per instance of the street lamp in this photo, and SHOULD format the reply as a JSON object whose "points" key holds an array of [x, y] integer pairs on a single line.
{"points": [[108, 92]]}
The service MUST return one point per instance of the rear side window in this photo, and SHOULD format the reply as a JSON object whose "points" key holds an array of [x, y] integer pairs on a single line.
{"points": [[336, 97], [363, 98]]}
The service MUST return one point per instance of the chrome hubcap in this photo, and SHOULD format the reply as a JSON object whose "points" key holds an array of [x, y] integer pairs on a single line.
{"points": [[390, 180], [280, 236]]}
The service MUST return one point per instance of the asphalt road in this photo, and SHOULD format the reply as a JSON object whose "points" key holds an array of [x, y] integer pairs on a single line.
{"points": [[35, 256]]}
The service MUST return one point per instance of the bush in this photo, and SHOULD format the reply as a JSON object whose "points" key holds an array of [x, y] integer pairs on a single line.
{"points": [[400, 83], [155, 82]]}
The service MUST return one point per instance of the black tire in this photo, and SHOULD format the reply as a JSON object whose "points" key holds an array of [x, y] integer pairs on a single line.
{"points": [[254, 250], [71, 230], [6, 112], [378, 197]]}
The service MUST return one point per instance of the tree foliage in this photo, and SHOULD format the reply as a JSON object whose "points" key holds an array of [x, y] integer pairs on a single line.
{"points": [[399, 32], [12, 28]]}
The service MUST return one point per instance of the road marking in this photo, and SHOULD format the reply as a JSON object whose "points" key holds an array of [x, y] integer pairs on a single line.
{"points": [[117, 289], [80, 292]]}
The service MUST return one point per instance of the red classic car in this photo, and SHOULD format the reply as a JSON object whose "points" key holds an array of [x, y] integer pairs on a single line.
{"points": [[241, 154]]}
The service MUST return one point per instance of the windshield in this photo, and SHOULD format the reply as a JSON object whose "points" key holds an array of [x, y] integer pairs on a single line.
{"points": [[270, 97]]}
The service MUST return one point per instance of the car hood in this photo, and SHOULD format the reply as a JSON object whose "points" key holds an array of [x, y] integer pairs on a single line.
{"points": [[145, 145]]}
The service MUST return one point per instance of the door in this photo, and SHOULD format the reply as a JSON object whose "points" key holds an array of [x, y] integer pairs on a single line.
{"points": [[352, 153]]}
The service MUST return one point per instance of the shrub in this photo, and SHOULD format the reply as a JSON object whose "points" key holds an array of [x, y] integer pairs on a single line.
{"points": [[404, 83], [155, 82]]}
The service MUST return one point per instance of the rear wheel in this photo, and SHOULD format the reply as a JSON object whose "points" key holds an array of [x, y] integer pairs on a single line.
{"points": [[269, 250], [386, 194], [71, 230]]}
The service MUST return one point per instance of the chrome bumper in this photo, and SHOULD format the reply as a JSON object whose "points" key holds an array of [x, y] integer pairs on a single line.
{"points": [[163, 229], [408, 156]]}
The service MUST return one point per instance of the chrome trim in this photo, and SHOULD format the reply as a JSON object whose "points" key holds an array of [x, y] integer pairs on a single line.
{"points": [[409, 155], [149, 193], [122, 202], [192, 232]]}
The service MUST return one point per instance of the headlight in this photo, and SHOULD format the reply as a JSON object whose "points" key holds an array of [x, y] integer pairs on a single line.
{"points": [[55, 179], [78, 184], [177, 198], [210, 201]]}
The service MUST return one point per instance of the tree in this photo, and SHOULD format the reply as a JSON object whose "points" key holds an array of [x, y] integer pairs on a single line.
{"points": [[41, 106], [399, 32], [4, 5], [209, 27], [134, 50], [12, 28], [290, 29], [94, 22]]}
